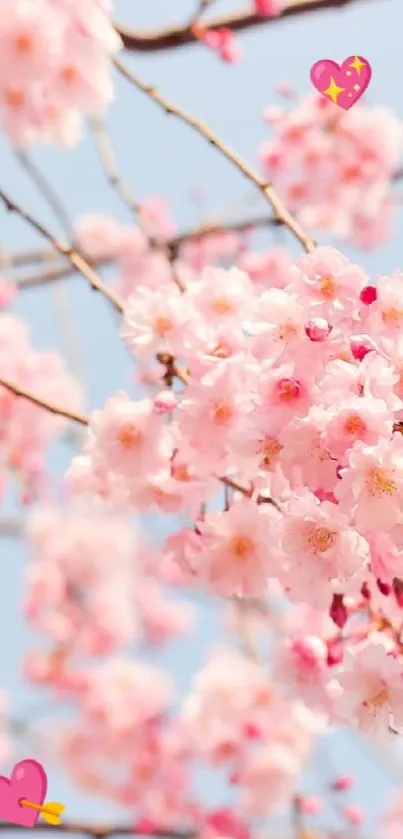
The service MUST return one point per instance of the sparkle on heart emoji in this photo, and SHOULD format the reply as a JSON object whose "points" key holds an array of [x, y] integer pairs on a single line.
{"points": [[343, 84]]}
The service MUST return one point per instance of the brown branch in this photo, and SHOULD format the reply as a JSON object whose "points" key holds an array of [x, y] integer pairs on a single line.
{"points": [[42, 403], [99, 831], [180, 36], [11, 526], [195, 234], [30, 257], [267, 190], [172, 370], [20, 258], [49, 275], [237, 487], [82, 420], [78, 261]]}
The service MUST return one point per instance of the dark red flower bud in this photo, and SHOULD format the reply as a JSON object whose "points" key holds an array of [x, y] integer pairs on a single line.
{"points": [[338, 611]]}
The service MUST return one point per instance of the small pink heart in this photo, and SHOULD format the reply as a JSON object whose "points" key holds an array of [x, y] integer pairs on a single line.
{"points": [[28, 780], [344, 85]]}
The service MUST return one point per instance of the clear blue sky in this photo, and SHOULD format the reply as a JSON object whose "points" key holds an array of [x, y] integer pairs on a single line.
{"points": [[159, 156]]}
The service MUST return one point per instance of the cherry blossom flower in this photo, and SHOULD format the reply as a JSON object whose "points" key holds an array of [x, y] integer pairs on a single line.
{"points": [[60, 56], [372, 484], [236, 559], [322, 552], [372, 689]]}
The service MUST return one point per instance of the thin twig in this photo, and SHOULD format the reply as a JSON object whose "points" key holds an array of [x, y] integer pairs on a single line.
{"points": [[110, 167], [83, 420], [46, 190], [68, 251], [237, 487], [50, 275], [179, 36], [202, 7], [70, 337], [20, 258], [267, 190], [11, 526], [43, 403], [172, 370], [195, 234]]}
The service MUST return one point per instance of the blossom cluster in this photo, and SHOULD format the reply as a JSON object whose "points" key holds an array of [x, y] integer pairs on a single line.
{"points": [[279, 449], [293, 398], [91, 589], [27, 432], [55, 67], [270, 443], [335, 169]]}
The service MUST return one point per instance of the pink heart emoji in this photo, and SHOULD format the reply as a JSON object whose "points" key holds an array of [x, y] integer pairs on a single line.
{"points": [[342, 84], [28, 780]]}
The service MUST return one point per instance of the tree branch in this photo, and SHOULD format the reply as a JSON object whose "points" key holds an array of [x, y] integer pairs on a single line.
{"points": [[47, 191], [11, 526], [193, 234], [78, 261], [178, 372], [109, 165], [266, 188], [35, 256], [180, 36], [99, 831], [42, 403]]}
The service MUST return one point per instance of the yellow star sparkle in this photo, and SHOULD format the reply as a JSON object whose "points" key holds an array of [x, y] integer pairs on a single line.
{"points": [[333, 91], [357, 64]]}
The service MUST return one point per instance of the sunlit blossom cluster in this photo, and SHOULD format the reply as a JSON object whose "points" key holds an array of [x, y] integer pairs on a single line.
{"points": [[55, 67], [335, 169]]}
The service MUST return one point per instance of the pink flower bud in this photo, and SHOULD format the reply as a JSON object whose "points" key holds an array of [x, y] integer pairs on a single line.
{"points": [[361, 345], [343, 783], [335, 653], [338, 611], [310, 805], [268, 8], [225, 823], [252, 731], [353, 814], [384, 588], [310, 651], [317, 329], [146, 827], [368, 295], [165, 401]]}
